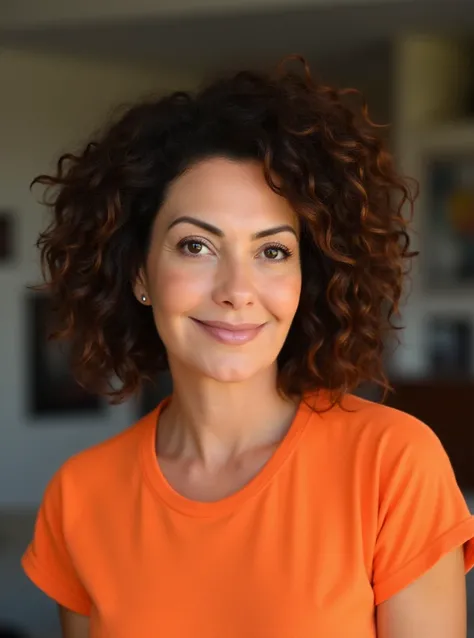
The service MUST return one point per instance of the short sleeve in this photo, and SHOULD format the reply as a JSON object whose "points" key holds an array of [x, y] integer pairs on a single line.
{"points": [[422, 512], [47, 561]]}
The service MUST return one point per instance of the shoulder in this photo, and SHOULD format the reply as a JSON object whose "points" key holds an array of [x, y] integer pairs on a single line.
{"points": [[356, 413], [385, 460], [382, 435], [109, 465]]}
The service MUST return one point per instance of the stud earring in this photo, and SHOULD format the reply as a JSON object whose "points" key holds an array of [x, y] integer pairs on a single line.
{"points": [[143, 298]]}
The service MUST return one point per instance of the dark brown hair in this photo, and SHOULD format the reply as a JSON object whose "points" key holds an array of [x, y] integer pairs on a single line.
{"points": [[331, 166]]}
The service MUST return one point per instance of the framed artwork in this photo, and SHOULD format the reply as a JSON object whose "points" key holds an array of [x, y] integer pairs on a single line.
{"points": [[449, 347], [53, 389], [6, 236], [448, 256]]}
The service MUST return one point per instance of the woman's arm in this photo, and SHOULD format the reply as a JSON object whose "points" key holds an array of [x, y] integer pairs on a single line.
{"points": [[74, 625], [434, 605]]}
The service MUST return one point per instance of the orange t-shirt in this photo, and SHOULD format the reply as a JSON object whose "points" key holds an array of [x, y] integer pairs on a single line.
{"points": [[352, 507]]}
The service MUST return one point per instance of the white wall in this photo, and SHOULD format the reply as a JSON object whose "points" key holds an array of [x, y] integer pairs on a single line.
{"points": [[46, 104]]}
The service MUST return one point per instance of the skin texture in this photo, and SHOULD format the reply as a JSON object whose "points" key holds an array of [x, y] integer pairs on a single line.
{"points": [[235, 275], [231, 279]]}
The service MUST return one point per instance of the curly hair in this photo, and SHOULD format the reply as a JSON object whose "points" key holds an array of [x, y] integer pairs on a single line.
{"points": [[330, 164]]}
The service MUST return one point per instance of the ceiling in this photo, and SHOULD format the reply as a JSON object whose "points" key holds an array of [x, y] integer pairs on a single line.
{"points": [[203, 43]]}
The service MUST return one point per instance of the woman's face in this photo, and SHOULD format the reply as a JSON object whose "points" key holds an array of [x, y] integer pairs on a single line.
{"points": [[223, 271]]}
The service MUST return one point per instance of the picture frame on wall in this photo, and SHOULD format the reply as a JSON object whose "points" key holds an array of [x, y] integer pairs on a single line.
{"points": [[53, 390], [449, 222]]}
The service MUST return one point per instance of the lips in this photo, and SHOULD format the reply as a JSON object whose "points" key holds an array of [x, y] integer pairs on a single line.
{"points": [[230, 334]]}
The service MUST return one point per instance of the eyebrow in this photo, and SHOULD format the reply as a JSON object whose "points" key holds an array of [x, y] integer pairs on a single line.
{"points": [[219, 233]]}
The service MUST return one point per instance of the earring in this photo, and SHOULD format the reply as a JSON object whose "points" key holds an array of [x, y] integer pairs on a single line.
{"points": [[143, 298]]}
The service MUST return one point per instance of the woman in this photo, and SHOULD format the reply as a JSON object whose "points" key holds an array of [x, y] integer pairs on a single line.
{"points": [[248, 238]]}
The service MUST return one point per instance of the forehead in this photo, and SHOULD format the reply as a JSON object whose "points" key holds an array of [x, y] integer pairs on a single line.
{"points": [[227, 193]]}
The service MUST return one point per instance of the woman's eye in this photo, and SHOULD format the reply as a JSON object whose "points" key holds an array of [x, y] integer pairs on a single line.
{"points": [[275, 253], [194, 247]]}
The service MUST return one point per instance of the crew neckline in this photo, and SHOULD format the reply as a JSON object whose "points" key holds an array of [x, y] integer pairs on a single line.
{"points": [[226, 505]]}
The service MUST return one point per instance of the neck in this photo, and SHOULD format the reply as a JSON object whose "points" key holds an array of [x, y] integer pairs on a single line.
{"points": [[215, 421]]}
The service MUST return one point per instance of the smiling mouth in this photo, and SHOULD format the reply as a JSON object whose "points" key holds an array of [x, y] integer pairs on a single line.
{"points": [[230, 334]]}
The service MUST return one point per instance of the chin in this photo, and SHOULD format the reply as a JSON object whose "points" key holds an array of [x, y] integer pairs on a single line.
{"points": [[230, 375], [226, 371], [232, 378]]}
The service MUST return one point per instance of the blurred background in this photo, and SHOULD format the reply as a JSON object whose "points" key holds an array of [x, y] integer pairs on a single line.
{"points": [[65, 65]]}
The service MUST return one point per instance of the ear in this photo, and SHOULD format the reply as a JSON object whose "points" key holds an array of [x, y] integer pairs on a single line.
{"points": [[140, 288]]}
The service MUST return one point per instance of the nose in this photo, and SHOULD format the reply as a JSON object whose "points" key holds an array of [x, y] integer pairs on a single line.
{"points": [[234, 287]]}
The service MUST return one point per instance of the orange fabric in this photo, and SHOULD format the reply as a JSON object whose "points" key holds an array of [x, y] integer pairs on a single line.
{"points": [[353, 507]]}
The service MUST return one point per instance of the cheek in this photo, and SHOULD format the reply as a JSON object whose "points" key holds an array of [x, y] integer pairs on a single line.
{"points": [[283, 295], [177, 289]]}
